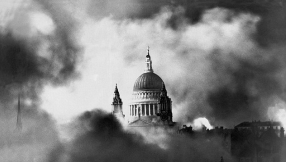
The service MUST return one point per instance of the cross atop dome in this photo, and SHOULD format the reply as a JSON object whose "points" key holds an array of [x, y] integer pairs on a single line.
{"points": [[148, 48], [148, 62]]}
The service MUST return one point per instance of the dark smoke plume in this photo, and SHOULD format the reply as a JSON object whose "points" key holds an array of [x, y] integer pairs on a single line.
{"points": [[271, 29], [98, 136], [29, 61]]}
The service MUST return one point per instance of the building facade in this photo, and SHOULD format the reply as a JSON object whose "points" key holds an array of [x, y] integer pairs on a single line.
{"points": [[257, 141], [151, 105]]}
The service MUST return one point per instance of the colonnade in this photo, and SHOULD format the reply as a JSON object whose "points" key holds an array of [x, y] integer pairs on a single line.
{"points": [[144, 109], [146, 95]]}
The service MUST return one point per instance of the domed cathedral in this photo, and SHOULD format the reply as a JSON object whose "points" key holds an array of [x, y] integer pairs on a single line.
{"points": [[150, 105]]}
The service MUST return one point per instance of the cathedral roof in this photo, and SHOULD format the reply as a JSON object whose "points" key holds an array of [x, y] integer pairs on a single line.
{"points": [[148, 82]]}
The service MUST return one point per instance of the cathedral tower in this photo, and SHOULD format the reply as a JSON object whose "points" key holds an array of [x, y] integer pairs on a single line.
{"points": [[165, 106], [117, 104]]}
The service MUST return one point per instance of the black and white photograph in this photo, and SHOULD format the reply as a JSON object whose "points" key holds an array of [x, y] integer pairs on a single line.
{"points": [[142, 80]]}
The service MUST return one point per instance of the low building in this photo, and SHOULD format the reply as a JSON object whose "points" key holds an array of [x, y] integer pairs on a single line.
{"points": [[257, 141]]}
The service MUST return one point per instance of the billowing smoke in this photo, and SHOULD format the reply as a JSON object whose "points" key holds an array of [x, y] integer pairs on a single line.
{"points": [[200, 123], [223, 60], [214, 68], [271, 29], [37, 48], [98, 136]]}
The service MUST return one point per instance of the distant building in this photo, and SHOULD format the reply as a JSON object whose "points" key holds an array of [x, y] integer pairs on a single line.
{"points": [[257, 141], [260, 127], [254, 141], [224, 134], [151, 105]]}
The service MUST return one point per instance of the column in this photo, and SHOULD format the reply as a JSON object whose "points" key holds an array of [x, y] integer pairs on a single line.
{"points": [[154, 110], [149, 109], [145, 107], [132, 110]]}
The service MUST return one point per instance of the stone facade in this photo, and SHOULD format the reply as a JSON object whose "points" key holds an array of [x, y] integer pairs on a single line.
{"points": [[150, 104]]}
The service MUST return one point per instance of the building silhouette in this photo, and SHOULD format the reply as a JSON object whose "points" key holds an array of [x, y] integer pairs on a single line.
{"points": [[257, 141], [117, 104], [254, 141], [151, 105]]}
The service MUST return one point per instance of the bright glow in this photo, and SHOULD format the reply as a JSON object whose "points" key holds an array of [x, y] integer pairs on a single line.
{"points": [[278, 112], [200, 122], [42, 22], [281, 115]]}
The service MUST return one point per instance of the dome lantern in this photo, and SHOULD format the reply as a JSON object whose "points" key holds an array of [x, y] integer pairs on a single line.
{"points": [[148, 62]]}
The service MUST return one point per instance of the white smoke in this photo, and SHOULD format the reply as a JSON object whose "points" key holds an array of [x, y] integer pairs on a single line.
{"points": [[277, 112], [115, 52], [200, 123]]}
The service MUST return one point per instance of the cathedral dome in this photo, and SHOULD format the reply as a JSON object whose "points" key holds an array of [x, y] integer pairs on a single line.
{"points": [[148, 82], [150, 104]]}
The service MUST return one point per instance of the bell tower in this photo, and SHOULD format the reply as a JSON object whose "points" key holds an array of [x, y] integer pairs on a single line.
{"points": [[165, 106], [117, 104]]}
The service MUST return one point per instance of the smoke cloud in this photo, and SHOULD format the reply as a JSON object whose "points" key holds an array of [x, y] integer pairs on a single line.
{"points": [[217, 61], [271, 28], [33, 53], [98, 136], [37, 48], [214, 68], [223, 60]]}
